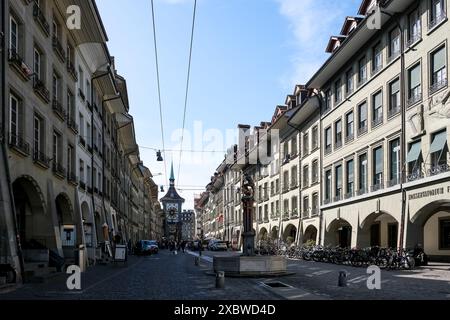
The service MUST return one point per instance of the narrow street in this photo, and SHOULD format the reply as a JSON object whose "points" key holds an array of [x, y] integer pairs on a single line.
{"points": [[166, 276]]}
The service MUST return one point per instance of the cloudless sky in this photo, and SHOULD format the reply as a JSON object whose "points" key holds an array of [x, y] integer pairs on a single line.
{"points": [[247, 56]]}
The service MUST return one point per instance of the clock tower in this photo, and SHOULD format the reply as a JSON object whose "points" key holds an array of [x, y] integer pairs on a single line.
{"points": [[172, 206]]}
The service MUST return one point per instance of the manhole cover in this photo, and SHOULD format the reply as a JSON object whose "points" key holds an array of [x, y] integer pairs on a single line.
{"points": [[277, 284]]}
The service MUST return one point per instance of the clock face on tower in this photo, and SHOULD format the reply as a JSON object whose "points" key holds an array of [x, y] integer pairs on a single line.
{"points": [[172, 210]]}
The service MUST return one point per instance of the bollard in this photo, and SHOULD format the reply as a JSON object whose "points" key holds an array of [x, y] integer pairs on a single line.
{"points": [[220, 280], [342, 279], [197, 261]]}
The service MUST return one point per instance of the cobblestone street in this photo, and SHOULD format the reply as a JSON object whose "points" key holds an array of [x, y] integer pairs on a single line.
{"points": [[163, 277], [175, 277]]}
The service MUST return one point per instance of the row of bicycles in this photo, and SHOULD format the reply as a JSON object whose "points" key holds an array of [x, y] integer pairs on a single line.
{"points": [[385, 258]]}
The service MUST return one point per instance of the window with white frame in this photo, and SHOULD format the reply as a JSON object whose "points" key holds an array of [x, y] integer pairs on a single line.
{"points": [[394, 162], [362, 70], [38, 136], [13, 35], [394, 43], [350, 172], [438, 69], [415, 27], [377, 108], [437, 12], [414, 84], [378, 167], [15, 118], [377, 57], [394, 97]]}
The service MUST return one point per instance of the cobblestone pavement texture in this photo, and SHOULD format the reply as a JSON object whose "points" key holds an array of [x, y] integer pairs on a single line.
{"points": [[166, 276], [161, 277]]}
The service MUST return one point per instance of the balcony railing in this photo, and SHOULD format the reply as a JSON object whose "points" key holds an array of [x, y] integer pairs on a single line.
{"points": [[58, 109], [82, 185], [362, 130], [361, 191], [72, 124], [16, 61], [436, 20], [376, 187], [393, 182], [72, 178], [326, 201], [285, 188], [377, 121], [286, 216], [314, 212], [393, 111], [362, 81], [71, 70], [349, 195], [41, 20], [89, 148], [328, 150], [294, 185], [393, 56], [58, 169], [337, 198], [19, 144], [41, 90], [82, 141], [377, 69], [338, 143], [89, 189], [58, 48], [414, 176], [413, 39], [438, 169], [438, 84], [41, 159], [414, 98], [349, 138]]}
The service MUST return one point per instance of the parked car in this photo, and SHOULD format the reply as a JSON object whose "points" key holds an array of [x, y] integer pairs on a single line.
{"points": [[217, 245], [145, 247]]}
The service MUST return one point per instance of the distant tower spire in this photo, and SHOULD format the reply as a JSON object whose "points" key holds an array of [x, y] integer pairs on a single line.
{"points": [[172, 175]]}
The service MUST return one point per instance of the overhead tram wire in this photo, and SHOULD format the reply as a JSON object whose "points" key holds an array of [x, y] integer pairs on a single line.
{"points": [[187, 86], [159, 85]]}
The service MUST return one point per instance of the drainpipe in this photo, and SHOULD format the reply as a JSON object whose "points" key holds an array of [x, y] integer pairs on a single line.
{"points": [[3, 136], [403, 138], [320, 166], [403, 125]]}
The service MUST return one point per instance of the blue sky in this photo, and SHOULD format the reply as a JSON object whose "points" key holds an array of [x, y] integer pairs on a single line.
{"points": [[247, 56]]}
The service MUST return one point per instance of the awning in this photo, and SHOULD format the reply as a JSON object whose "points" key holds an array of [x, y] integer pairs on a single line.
{"points": [[439, 142], [414, 152], [115, 103]]}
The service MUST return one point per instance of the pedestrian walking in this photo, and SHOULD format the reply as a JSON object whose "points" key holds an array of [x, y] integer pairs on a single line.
{"points": [[183, 246]]}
